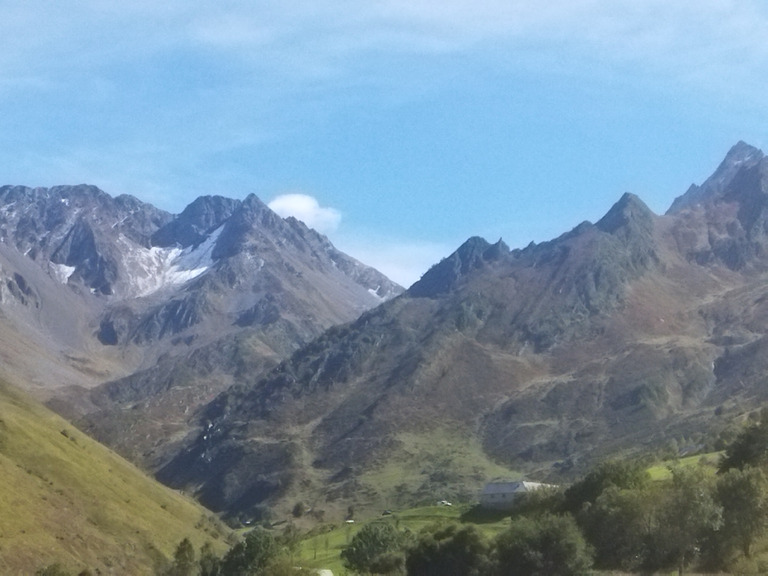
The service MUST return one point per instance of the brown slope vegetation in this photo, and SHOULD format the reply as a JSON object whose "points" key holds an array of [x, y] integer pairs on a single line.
{"points": [[69, 500], [617, 336]]}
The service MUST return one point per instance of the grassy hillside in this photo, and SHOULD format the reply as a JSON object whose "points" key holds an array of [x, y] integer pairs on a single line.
{"points": [[430, 466], [708, 462], [323, 548], [68, 499]]}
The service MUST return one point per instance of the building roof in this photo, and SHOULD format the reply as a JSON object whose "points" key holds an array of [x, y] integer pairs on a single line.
{"points": [[511, 487]]}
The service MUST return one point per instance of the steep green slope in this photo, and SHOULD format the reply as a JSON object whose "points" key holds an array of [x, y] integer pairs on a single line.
{"points": [[66, 498]]}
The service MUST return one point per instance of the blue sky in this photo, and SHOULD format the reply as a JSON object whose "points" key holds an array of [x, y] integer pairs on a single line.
{"points": [[399, 128]]}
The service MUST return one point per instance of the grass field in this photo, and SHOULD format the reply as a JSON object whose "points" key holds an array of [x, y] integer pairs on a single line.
{"points": [[663, 471], [323, 549], [65, 498], [454, 462]]}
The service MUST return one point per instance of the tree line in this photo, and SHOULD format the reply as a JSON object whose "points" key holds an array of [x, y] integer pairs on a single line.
{"points": [[614, 518]]}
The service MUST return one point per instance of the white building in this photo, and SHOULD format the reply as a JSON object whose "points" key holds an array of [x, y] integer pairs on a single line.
{"points": [[502, 495]]}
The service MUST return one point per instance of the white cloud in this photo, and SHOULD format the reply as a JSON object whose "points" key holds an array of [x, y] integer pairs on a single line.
{"points": [[308, 210]]}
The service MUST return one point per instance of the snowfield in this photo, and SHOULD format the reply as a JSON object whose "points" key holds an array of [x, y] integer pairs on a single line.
{"points": [[151, 270]]}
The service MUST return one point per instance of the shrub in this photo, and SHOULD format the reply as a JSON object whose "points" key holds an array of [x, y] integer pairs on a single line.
{"points": [[547, 546], [375, 549]]}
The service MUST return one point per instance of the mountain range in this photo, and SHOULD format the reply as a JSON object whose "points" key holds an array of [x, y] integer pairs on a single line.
{"points": [[239, 356], [632, 334], [98, 290]]}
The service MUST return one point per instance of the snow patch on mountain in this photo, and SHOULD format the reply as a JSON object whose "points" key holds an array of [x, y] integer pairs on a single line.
{"points": [[375, 293], [152, 269], [61, 272]]}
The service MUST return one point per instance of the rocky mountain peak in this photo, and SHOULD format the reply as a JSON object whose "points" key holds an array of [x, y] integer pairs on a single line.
{"points": [[628, 213], [740, 153], [250, 218], [196, 222], [442, 277], [741, 158], [257, 212], [726, 218], [73, 232]]}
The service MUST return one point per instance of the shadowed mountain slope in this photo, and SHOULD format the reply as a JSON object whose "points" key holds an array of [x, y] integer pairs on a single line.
{"points": [[620, 335]]}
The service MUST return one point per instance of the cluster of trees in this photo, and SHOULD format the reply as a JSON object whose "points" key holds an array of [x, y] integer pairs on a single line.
{"points": [[260, 553], [615, 518], [633, 524], [548, 545]]}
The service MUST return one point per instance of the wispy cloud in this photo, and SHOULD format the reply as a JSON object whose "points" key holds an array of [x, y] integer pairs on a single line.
{"points": [[270, 48], [655, 33], [332, 35]]}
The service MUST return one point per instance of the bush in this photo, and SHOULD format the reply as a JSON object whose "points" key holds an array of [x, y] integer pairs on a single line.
{"points": [[547, 499], [376, 549], [626, 475], [617, 525], [449, 551], [547, 546], [251, 556], [184, 563]]}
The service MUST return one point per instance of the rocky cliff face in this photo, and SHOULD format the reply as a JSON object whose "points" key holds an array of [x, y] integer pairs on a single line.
{"points": [[73, 231], [724, 219]]}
